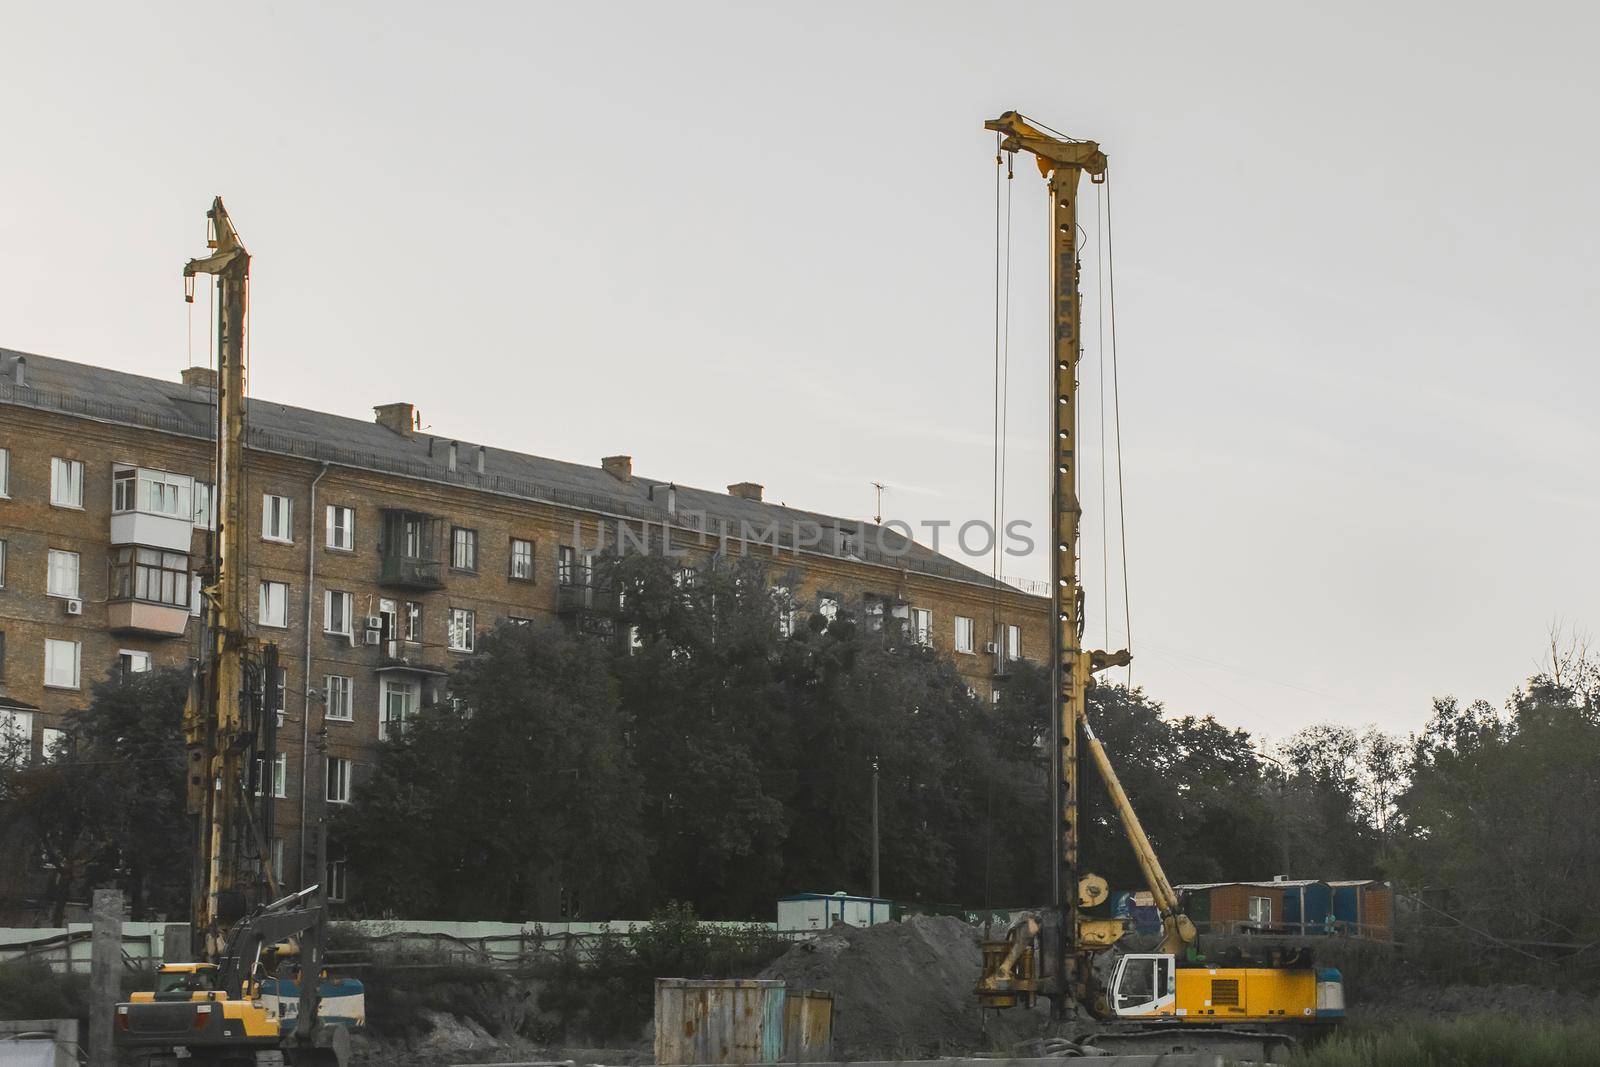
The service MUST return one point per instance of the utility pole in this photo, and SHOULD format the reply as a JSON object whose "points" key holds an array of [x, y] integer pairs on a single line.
{"points": [[875, 888], [105, 972]]}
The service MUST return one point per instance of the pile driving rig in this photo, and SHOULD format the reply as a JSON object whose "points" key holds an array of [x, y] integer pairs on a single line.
{"points": [[243, 1002], [1256, 1009]]}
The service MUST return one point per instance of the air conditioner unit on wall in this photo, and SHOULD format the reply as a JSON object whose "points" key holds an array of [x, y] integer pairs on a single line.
{"points": [[74, 607], [992, 646], [374, 637], [374, 622]]}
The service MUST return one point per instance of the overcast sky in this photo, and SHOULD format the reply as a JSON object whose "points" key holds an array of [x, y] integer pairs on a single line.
{"points": [[1355, 253]]}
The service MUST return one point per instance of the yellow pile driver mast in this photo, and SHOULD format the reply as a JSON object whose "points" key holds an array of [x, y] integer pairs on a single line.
{"points": [[1063, 162], [230, 723]]}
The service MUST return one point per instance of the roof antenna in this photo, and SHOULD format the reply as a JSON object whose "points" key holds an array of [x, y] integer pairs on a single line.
{"points": [[877, 513]]}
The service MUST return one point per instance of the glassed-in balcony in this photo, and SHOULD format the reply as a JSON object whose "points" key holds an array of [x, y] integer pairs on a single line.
{"points": [[411, 550]]}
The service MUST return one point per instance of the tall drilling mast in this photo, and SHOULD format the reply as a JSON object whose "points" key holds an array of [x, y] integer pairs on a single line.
{"points": [[214, 721], [1063, 161]]}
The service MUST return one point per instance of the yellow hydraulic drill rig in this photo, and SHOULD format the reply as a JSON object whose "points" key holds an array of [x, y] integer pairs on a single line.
{"points": [[257, 994], [1175, 999]]}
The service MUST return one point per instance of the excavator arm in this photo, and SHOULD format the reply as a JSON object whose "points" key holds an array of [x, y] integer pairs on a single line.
{"points": [[1178, 931]]}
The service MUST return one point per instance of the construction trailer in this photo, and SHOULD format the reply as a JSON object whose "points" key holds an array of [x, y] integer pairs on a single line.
{"points": [[1301, 907], [819, 911]]}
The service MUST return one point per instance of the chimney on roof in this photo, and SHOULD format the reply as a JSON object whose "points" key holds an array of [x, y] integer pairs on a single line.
{"points": [[452, 457], [619, 467], [401, 418], [483, 452], [20, 370], [745, 490], [200, 378]]}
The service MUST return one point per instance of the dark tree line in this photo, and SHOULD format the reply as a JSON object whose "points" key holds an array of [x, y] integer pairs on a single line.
{"points": [[719, 749]]}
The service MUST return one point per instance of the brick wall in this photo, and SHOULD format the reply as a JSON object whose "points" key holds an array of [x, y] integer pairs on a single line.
{"points": [[30, 526]]}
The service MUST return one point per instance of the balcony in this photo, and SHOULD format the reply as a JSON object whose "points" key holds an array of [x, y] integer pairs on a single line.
{"points": [[408, 572], [151, 592], [411, 551], [587, 596], [407, 656], [146, 619], [152, 508]]}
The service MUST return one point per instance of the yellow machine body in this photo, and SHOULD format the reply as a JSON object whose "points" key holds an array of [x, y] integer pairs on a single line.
{"points": [[1157, 986]]}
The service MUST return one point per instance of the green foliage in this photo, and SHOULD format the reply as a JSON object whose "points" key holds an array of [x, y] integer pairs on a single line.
{"points": [[1487, 1041], [520, 796], [398, 986], [31, 990], [612, 995], [109, 810]]}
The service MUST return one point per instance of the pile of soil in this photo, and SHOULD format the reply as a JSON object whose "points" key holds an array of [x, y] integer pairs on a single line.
{"points": [[904, 990]]}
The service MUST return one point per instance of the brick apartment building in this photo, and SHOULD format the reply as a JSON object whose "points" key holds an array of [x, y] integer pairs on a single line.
{"points": [[377, 554]]}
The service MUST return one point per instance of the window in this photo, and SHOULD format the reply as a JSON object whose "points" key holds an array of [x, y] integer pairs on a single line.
{"points": [[152, 575], [1261, 911], [388, 620], [16, 732], [63, 574], [463, 623], [922, 626], [566, 564], [518, 620], [152, 492], [277, 859], [338, 612], [66, 483], [5, 473], [340, 692], [280, 777], [274, 604], [2, 564], [277, 519], [197, 599], [1013, 642], [205, 514], [334, 886], [132, 662], [963, 634], [341, 528], [398, 703], [338, 781], [61, 664], [413, 621], [2, 655], [463, 548], [521, 560], [828, 607], [57, 743]]}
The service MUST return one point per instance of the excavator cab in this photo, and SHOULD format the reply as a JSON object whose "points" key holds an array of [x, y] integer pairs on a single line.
{"points": [[1144, 984], [181, 981]]}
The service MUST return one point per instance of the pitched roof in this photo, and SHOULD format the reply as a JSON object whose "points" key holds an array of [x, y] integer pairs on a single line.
{"points": [[135, 400]]}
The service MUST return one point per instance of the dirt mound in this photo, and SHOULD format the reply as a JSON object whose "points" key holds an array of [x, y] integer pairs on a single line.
{"points": [[903, 990]]}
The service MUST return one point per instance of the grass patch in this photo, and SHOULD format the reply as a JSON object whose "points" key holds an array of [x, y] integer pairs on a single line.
{"points": [[1478, 1041]]}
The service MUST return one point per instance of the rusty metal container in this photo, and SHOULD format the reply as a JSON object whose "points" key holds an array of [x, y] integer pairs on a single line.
{"points": [[720, 1021], [807, 1026]]}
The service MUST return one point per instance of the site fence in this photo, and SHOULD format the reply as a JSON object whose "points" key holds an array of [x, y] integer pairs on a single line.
{"points": [[507, 945], [1336, 929]]}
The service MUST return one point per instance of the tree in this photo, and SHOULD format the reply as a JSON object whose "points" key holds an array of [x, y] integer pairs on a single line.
{"points": [[109, 808], [516, 798]]}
